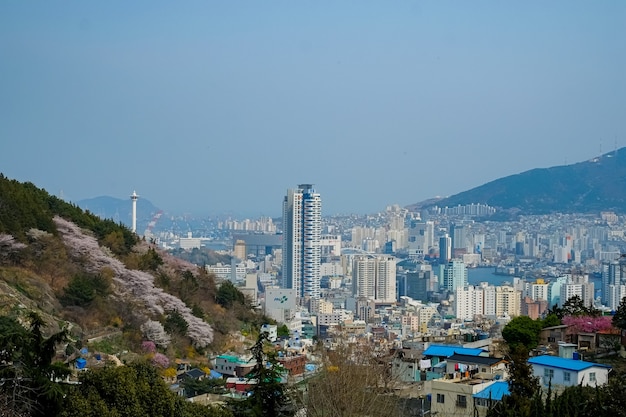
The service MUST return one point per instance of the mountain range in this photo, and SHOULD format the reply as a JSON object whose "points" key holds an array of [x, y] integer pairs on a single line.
{"points": [[598, 184]]}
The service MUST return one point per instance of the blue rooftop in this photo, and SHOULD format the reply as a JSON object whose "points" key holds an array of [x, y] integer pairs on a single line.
{"points": [[495, 391], [562, 363], [449, 350]]}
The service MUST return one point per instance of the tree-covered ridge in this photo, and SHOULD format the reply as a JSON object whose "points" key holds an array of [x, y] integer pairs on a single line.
{"points": [[589, 186], [23, 207]]}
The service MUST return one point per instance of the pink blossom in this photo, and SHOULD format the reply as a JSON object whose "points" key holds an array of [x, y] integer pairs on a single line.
{"points": [[131, 285], [148, 346], [160, 360], [587, 324]]}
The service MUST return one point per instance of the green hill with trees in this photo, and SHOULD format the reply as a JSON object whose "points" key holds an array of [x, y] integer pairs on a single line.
{"points": [[72, 282]]}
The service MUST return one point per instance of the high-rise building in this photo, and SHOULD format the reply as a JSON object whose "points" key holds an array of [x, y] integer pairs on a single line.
{"points": [[374, 278], [302, 231], [454, 275], [611, 275], [468, 302], [445, 249], [421, 237]]}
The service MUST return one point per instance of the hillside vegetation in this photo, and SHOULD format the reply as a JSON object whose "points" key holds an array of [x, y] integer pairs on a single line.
{"points": [[71, 266]]}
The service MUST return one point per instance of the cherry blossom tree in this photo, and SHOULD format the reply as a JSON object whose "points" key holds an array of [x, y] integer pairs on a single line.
{"points": [[132, 283]]}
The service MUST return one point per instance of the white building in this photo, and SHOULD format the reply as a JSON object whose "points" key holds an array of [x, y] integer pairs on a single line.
{"points": [[421, 237], [302, 229], [568, 372], [616, 293], [468, 302]]}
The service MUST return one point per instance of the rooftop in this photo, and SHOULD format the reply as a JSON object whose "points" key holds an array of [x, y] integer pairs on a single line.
{"points": [[562, 363], [483, 360], [449, 350], [495, 391]]}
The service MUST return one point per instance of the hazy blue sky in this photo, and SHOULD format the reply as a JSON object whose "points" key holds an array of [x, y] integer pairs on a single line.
{"points": [[206, 107]]}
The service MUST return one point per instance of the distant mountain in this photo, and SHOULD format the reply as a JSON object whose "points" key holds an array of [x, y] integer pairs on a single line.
{"points": [[120, 210], [590, 186]]}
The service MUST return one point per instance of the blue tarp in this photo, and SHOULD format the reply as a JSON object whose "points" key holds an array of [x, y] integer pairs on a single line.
{"points": [[449, 350], [214, 374], [495, 391], [81, 363]]}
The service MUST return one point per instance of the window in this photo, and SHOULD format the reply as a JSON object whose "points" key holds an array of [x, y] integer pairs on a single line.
{"points": [[592, 377], [548, 375], [461, 401], [440, 398], [566, 376]]}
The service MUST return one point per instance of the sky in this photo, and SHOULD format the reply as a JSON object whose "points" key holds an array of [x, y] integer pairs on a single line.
{"points": [[210, 107]]}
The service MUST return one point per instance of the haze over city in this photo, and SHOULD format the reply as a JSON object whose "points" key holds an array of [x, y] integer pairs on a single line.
{"points": [[210, 107]]}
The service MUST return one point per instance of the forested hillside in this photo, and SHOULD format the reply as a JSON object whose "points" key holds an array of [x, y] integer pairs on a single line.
{"points": [[70, 265]]}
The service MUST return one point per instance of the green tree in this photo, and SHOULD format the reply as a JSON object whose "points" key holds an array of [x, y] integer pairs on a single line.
{"points": [[268, 397], [551, 320], [130, 391], [83, 289], [283, 331], [228, 294], [150, 261], [574, 306], [175, 323], [526, 399], [26, 367], [522, 330], [619, 319]]}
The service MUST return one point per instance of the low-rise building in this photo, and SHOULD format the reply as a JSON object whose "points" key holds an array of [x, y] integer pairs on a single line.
{"points": [[561, 372], [234, 366], [456, 397]]}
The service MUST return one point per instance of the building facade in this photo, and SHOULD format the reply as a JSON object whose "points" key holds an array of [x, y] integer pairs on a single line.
{"points": [[374, 277], [302, 231]]}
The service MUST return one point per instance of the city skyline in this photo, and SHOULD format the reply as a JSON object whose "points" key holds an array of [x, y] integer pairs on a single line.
{"points": [[190, 104]]}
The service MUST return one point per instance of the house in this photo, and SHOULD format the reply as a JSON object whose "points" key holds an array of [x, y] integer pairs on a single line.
{"points": [[466, 366], [563, 372], [431, 364], [230, 365], [194, 373], [553, 334], [456, 397], [271, 330], [293, 364]]}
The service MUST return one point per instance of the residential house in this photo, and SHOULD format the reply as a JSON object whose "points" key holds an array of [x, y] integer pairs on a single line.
{"points": [[553, 335], [230, 365], [466, 366], [562, 372], [456, 397]]}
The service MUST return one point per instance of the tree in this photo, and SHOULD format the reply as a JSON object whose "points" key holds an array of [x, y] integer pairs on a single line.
{"points": [[574, 306], [26, 368], [282, 331], [619, 319], [522, 330], [526, 399], [353, 381], [130, 391], [228, 294], [268, 397], [551, 320]]}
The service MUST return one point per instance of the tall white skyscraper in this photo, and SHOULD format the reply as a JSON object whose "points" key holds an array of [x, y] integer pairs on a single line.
{"points": [[302, 232]]}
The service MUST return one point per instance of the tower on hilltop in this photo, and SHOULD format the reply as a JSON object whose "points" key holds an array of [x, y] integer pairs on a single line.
{"points": [[134, 198], [302, 232]]}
